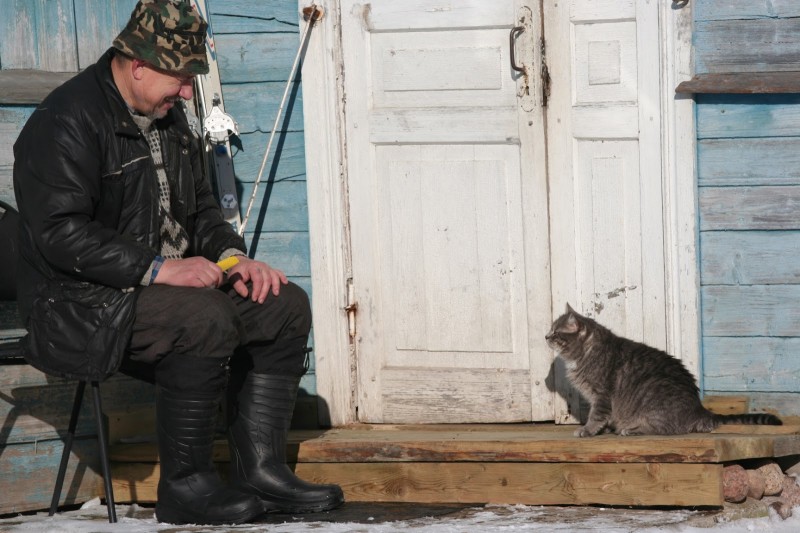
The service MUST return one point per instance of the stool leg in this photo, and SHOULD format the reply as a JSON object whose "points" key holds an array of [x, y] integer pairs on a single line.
{"points": [[62, 469], [104, 462]]}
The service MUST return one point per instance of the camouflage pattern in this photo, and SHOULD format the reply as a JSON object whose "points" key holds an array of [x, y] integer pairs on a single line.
{"points": [[168, 34]]}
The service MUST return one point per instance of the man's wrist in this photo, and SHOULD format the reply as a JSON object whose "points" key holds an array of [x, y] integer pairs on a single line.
{"points": [[158, 262]]}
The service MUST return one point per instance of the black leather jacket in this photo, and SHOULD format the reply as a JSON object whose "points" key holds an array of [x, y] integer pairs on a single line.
{"points": [[87, 192]]}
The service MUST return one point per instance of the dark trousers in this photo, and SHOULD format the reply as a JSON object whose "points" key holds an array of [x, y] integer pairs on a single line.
{"points": [[184, 338]]}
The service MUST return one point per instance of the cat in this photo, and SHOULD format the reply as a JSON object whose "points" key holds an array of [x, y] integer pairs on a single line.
{"points": [[632, 388]]}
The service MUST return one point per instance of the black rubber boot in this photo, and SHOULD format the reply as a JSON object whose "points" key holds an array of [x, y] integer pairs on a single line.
{"points": [[260, 412], [190, 490]]}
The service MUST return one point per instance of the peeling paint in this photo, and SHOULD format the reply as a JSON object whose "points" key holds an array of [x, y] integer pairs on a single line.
{"points": [[617, 292], [363, 12]]}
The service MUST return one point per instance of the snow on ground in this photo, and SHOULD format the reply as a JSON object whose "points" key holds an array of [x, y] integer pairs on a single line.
{"points": [[383, 518]]}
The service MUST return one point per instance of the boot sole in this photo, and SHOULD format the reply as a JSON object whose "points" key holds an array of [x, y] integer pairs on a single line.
{"points": [[273, 506], [178, 517]]}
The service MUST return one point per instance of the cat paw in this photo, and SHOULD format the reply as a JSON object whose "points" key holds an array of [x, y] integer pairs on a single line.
{"points": [[582, 432]]}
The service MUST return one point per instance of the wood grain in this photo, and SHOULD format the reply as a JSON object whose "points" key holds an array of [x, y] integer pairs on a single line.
{"points": [[742, 83], [740, 161], [752, 364], [750, 311], [727, 10], [497, 443], [748, 116], [772, 44], [27, 474], [497, 483], [749, 208], [21, 87], [749, 257]]}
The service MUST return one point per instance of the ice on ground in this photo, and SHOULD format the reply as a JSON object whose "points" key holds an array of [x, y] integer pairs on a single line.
{"points": [[92, 518]]}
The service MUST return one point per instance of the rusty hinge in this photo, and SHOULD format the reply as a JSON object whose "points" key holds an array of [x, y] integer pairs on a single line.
{"points": [[351, 308]]}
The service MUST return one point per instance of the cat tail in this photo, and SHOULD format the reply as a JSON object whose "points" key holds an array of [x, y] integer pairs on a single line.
{"points": [[756, 418]]}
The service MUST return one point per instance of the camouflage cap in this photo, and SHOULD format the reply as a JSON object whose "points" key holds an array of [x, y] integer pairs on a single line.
{"points": [[168, 34]]}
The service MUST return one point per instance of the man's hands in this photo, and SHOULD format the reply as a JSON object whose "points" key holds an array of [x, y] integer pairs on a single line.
{"points": [[262, 276], [200, 272], [189, 272]]}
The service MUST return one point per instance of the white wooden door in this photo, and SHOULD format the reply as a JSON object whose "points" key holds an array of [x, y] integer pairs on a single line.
{"points": [[448, 209], [604, 142]]}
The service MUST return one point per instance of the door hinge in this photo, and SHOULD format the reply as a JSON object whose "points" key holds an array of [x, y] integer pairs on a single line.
{"points": [[351, 308], [545, 75]]}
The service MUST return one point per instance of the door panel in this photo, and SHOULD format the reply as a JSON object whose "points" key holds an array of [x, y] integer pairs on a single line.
{"points": [[604, 150], [448, 202]]}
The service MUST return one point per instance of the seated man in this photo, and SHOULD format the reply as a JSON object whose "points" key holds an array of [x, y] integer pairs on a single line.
{"points": [[120, 235]]}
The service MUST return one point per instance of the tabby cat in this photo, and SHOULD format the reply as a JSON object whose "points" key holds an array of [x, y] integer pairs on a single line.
{"points": [[632, 388]]}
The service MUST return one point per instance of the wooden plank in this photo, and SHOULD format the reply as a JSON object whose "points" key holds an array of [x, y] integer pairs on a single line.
{"points": [[741, 161], [786, 403], [744, 364], [742, 83], [517, 443], [496, 483], [34, 406], [20, 51], [97, 24], [749, 257], [416, 14], [27, 474], [525, 483], [598, 11], [135, 423], [135, 482], [772, 44], [284, 204], [732, 10], [287, 251], [23, 87], [745, 311], [11, 122], [732, 115], [726, 405], [749, 208], [288, 164], [256, 57], [259, 17], [254, 106], [466, 394], [38, 35]]}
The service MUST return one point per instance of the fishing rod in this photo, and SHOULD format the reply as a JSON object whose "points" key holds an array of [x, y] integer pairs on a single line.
{"points": [[312, 13]]}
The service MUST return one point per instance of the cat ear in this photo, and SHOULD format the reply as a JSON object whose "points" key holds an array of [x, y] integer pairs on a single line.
{"points": [[572, 325], [569, 309]]}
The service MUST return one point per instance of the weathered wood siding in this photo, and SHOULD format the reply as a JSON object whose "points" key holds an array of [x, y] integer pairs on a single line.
{"points": [[256, 43], [749, 203]]}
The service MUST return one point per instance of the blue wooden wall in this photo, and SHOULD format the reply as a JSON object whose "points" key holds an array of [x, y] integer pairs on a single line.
{"points": [[749, 204], [257, 43]]}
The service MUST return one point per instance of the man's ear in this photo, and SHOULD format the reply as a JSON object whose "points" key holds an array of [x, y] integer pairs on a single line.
{"points": [[137, 68]]}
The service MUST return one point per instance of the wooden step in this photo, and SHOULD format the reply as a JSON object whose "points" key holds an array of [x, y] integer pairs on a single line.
{"points": [[533, 464]]}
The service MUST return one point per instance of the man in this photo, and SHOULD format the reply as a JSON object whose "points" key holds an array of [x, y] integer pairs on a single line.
{"points": [[120, 236]]}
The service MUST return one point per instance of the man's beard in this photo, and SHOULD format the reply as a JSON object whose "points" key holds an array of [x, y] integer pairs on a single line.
{"points": [[159, 113]]}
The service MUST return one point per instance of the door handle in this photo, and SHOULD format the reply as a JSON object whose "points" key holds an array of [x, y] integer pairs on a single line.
{"points": [[516, 30]]}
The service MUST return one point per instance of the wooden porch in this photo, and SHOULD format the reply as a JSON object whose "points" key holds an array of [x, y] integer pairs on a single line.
{"points": [[534, 464]]}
